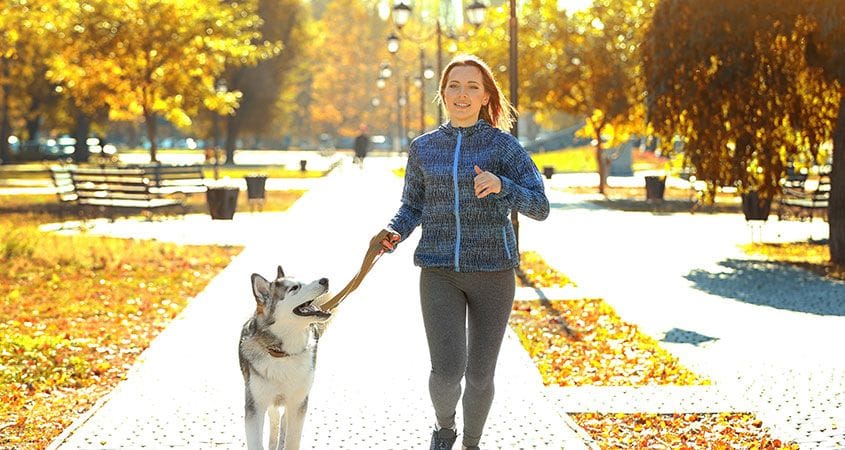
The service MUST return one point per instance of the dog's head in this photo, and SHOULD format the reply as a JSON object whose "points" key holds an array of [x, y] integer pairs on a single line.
{"points": [[288, 299]]}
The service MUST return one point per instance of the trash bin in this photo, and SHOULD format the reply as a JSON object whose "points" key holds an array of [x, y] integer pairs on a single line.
{"points": [[755, 206], [655, 187], [222, 202], [255, 186], [255, 191]]}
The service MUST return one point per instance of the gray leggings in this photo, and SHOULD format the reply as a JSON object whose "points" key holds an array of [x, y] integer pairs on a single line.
{"points": [[465, 316]]}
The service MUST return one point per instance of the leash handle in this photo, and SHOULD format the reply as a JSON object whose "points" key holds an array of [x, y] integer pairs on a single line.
{"points": [[373, 254]]}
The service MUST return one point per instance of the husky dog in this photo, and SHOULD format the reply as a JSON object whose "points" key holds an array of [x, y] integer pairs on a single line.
{"points": [[278, 352]]}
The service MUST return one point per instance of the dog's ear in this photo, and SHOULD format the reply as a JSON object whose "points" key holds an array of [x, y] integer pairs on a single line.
{"points": [[280, 272], [260, 288]]}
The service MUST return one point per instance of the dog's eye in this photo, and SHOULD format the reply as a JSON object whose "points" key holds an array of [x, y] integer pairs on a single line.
{"points": [[294, 288]]}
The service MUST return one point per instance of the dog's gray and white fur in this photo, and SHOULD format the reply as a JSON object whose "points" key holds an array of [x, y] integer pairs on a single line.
{"points": [[278, 353]]}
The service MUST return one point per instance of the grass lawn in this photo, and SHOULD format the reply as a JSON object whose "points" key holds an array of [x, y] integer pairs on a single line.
{"points": [[583, 159], [76, 311], [268, 171], [813, 256]]}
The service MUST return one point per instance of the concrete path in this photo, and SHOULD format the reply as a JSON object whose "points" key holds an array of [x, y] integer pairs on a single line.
{"points": [[371, 386], [767, 335]]}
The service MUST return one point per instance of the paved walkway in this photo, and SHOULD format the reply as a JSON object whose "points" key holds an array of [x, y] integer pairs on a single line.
{"points": [[371, 384], [766, 334]]}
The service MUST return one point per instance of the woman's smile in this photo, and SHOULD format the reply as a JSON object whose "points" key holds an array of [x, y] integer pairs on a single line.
{"points": [[464, 95]]}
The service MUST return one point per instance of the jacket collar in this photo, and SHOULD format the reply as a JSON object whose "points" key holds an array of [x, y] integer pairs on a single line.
{"points": [[479, 126]]}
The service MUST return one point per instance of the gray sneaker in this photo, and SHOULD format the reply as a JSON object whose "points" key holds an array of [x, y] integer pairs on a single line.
{"points": [[443, 439]]}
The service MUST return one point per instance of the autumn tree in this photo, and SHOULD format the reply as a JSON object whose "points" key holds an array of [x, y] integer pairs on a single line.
{"points": [[730, 81], [597, 74], [344, 71], [825, 50], [151, 58], [591, 70], [263, 84], [10, 15], [27, 96]]}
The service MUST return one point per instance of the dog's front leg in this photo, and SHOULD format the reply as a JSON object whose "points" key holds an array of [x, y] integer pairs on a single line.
{"points": [[254, 421], [292, 422], [277, 431]]}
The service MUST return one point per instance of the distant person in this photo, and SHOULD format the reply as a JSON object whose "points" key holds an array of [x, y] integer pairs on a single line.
{"points": [[362, 146], [462, 181]]}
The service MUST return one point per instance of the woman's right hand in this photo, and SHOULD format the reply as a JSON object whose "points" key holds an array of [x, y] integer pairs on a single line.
{"points": [[388, 239]]}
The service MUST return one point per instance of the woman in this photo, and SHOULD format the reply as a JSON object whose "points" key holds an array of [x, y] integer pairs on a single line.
{"points": [[462, 181]]}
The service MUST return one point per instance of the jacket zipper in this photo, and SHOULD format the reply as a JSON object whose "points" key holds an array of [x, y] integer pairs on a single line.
{"points": [[457, 201]]}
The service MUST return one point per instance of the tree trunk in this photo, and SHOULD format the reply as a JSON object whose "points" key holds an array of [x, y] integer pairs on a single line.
{"points": [[232, 129], [836, 207], [33, 127], [150, 121], [602, 163], [5, 125], [80, 133]]}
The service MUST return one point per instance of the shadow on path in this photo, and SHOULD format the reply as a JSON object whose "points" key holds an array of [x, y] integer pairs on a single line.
{"points": [[681, 336], [779, 285]]}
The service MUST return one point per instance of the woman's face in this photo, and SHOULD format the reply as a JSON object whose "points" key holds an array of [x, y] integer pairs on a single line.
{"points": [[464, 95]]}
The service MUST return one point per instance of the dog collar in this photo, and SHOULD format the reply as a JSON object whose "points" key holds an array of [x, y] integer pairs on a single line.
{"points": [[276, 353]]}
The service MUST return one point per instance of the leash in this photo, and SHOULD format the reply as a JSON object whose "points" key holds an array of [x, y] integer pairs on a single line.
{"points": [[370, 258]]}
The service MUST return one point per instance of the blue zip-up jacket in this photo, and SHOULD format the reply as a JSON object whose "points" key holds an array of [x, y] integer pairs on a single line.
{"points": [[459, 230]]}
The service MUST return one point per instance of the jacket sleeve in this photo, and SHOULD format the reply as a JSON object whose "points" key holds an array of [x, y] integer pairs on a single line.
{"points": [[413, 197], [522, 185]]}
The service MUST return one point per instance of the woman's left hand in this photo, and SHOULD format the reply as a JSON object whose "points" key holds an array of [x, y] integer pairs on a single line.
{"points": [[486, 183]]}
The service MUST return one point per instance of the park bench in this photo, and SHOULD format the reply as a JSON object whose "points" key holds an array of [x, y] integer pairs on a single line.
{"points": [[63, 182], [24, 176], [802, 197], [118, 189], [169, 180], [141, 187]]}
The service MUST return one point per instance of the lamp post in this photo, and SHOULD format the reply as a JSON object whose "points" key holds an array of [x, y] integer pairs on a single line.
{"points": [[385, 72], [512, 64], [393, 48], [426, 73], [402, 13], [514, 90]]}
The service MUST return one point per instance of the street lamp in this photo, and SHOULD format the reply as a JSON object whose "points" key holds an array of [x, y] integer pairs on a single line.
{"points": [[402, 13], [475, 13], [393, 43]]}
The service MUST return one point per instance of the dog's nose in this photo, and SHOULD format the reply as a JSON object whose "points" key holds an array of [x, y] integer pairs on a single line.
{"points": [[324, 281]]}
